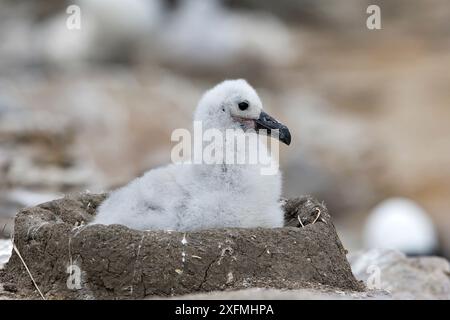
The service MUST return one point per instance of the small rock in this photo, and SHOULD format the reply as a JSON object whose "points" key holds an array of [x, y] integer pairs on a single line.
{"points": [[404, 277]]}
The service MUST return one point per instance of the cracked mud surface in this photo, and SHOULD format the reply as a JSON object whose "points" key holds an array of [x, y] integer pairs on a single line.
{"points": [[118, 262]]}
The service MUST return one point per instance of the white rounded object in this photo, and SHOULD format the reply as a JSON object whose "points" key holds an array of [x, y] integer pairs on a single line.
{"points": [[400, 224]]}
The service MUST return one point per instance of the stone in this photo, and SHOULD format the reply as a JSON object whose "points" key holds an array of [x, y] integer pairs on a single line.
{"points": [[401, 276]]}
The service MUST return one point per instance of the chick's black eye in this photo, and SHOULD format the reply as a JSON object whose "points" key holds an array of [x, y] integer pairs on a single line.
{"points": [[243, 105]]}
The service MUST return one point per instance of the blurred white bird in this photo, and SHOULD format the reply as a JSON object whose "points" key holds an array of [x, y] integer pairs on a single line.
{"points": [[207, 34], [200, 196], [400, 224], [109, 29]]}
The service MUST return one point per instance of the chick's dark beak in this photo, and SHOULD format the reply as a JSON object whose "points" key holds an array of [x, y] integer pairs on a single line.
{"points": [[273, 127]]}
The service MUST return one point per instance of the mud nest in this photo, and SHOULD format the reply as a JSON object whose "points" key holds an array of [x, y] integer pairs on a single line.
{"points": [[69, 260]]}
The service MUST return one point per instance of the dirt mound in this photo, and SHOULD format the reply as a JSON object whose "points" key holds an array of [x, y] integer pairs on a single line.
{"points": [[70, 260]]}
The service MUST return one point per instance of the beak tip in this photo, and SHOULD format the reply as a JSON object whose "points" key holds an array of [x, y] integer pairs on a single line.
{"points": [[285, 136]]}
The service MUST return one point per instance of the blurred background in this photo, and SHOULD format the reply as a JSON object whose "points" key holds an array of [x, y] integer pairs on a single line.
{"points": [[369, 110]]}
